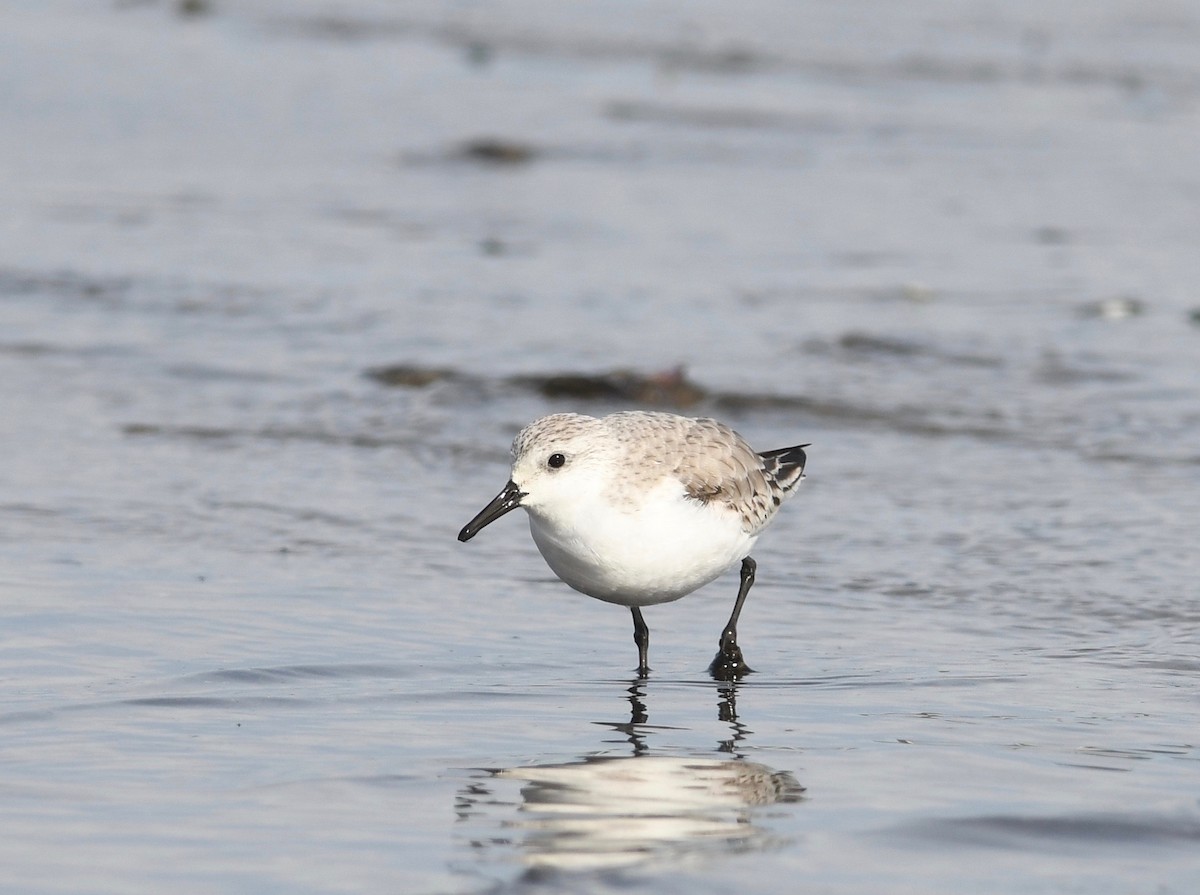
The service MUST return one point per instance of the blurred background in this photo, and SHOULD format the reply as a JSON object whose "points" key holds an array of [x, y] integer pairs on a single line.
{"points": [[279, 281]]}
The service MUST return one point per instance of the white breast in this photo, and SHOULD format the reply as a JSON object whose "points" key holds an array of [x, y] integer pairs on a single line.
{"points": [[659, 550]]}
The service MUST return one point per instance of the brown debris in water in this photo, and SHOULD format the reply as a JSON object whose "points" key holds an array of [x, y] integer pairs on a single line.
{"points": [[495, 151], [673, 390], [194, 7], [410, 375], [668, 387]]}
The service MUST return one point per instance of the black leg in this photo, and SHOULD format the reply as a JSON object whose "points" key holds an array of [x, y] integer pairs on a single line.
{"points": [[641, 636], [729, 664]]}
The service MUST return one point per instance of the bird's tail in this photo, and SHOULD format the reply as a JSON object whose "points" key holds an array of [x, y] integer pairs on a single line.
{"points": [[786, 465]]}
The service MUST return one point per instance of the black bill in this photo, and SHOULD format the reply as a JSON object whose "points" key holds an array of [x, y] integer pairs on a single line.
{"points": [[507, 500]]}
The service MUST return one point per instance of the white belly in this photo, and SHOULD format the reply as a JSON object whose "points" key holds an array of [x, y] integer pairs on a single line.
{"points": [[658, 552]]}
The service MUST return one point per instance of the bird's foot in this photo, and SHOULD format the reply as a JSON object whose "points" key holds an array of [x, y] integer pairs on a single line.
{"points": [[728, 664]]}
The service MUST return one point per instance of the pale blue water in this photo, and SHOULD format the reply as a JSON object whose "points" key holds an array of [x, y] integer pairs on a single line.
{"points": [[952, 247]]}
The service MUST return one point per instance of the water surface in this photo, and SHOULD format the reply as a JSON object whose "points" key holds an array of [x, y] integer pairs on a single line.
{"points": [[954, 248]]}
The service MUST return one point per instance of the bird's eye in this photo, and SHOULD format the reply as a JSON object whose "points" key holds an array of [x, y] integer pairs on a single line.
{"points": [[556, 460]]}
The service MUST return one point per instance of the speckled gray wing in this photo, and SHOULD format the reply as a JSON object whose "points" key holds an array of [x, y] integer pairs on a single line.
{"points": [[716, 465]]}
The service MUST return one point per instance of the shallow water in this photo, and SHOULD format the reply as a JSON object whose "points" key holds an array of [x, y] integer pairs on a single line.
{"points": [[954, 248]]}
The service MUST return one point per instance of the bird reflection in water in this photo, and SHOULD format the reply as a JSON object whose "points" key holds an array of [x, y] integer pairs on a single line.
{"points": [[605, 812]]}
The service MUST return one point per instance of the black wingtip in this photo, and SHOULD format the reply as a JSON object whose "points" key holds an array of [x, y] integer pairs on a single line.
{"points": [[788, 456], [786, 465]]}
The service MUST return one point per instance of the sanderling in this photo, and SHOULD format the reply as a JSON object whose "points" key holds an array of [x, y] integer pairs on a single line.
{"points": [[639, 508]]}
